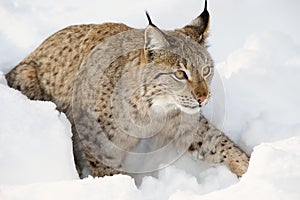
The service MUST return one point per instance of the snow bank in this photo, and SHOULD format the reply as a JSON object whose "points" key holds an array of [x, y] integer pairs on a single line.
{"points": [[261, 81], [35, 140], [273, 174], [116, 187]]}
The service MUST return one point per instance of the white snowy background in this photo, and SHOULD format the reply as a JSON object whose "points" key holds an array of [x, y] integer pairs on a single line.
{"points": [[256, 48]]}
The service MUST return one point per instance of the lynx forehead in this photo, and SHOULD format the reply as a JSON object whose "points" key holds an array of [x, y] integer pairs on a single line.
{"points": [[113, 82]]}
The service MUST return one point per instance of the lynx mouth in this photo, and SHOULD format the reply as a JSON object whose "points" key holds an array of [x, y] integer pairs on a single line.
{"points": [[190, 109], [186, 104], [194, 107], [190, 106], [203, 103]]}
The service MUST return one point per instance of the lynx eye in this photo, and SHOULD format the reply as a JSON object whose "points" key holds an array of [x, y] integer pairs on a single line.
{"points": [[206, 71], [180, 75]]}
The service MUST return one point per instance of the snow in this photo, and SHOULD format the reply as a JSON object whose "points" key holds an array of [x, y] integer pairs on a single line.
{"points": [[115, 187], [265, 103], [35, 141], [273, 174], [255, 102]]}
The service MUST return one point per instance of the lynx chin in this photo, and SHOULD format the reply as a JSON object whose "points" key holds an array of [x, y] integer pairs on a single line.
{"points": [[131, 95]]}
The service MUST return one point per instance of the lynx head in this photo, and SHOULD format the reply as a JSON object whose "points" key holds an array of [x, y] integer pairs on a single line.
{"points": [[181, 67]]}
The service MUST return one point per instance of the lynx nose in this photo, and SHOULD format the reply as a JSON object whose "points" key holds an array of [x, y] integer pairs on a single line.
{"points": [[202, 99]]}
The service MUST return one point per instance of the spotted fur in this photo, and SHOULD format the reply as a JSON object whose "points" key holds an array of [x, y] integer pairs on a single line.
{"points": [[49, 73]]}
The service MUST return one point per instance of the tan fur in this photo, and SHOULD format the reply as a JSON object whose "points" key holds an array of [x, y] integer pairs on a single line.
{"points": [[51, 71]]}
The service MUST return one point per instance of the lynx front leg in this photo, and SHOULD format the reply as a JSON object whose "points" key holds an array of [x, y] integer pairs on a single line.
{"points": [[215, 147], [87, 164]]}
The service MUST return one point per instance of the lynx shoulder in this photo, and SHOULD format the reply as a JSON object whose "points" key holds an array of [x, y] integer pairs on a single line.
{"points": [[129, 93]]}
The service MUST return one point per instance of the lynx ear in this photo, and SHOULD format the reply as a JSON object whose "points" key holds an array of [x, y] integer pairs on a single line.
{"points": [[198, 28], [154, 38]]}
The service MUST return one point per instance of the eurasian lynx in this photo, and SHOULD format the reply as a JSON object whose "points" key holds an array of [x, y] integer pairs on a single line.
{"points": [[129, 94]]}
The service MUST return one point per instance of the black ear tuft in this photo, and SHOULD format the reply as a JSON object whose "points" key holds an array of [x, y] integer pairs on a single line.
{"points": [[198, 28], [149, 19], [154, 37]]}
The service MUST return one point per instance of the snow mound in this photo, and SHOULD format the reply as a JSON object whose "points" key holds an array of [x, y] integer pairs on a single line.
{"points": [[261, 90], [35, 140], [273, 174], [114, 187]]}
